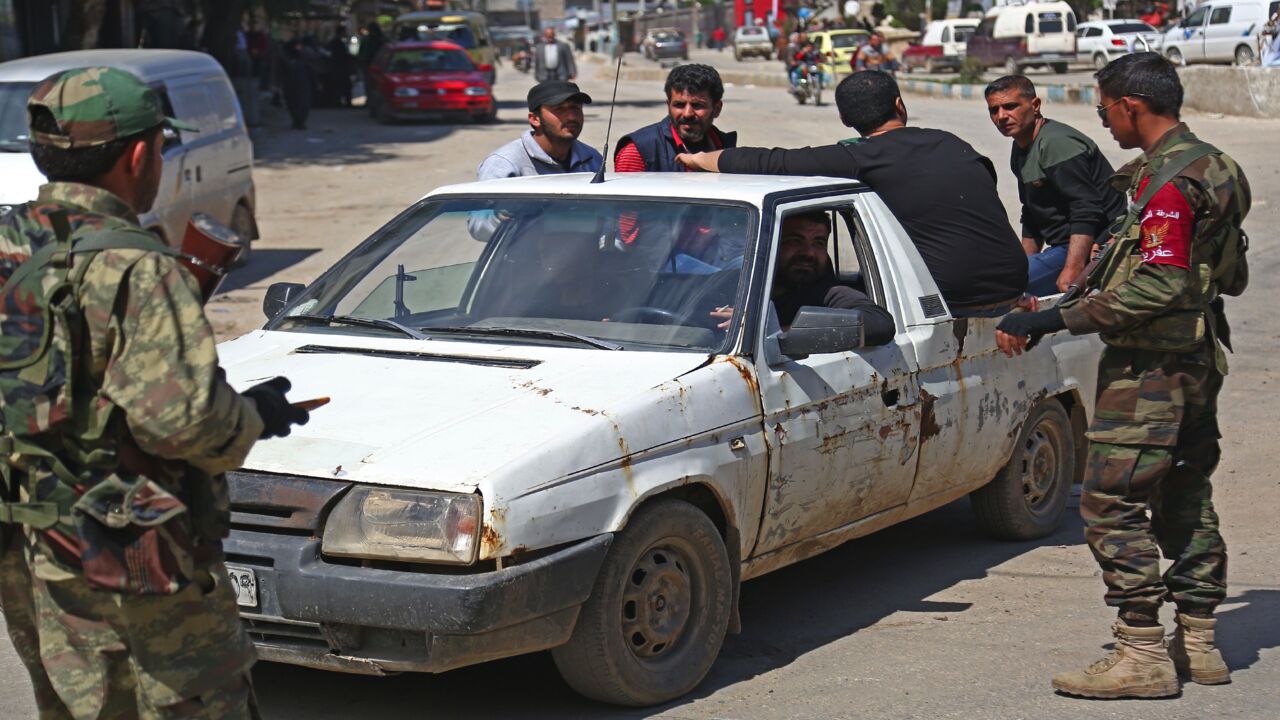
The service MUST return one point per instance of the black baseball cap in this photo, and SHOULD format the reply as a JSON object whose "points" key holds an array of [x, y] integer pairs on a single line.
{"points": [[554, 92]]}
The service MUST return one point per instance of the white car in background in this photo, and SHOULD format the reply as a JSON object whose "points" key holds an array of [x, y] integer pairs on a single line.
{"points": [[1220, 31], [1100, 41], [209, 171], [583, 433]]}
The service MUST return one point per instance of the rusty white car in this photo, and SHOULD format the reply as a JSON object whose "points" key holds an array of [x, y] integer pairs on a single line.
{"points": [[543, 438]]}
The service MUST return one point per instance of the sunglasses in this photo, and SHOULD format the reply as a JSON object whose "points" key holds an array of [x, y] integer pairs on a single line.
{"points": [[1102, 109]]}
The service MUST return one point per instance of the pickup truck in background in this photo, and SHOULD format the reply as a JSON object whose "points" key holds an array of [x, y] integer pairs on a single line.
{"points": [[546, 440]]}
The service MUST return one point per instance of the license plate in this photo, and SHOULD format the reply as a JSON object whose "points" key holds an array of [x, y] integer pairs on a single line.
{"points": [[245, 584]]}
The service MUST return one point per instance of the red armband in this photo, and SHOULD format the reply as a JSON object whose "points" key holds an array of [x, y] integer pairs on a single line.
{"points": [[1167, 226]]}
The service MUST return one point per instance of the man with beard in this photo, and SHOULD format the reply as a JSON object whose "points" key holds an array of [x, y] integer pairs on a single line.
{"points": [[694, 100], [805, 277]]}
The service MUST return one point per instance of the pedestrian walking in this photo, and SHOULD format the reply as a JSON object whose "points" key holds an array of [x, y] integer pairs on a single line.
{"points": [[553, 59], [340, 67], [117, 426], [1068, 204], [296, 83], [1153, 444], [717, 38]]}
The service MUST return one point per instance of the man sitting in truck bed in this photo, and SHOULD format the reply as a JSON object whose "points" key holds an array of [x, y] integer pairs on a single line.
{"points": [[940, 189], [804, 276]]}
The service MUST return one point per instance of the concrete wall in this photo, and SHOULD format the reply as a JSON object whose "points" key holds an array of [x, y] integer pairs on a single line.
{"points": [[1245, 91]]}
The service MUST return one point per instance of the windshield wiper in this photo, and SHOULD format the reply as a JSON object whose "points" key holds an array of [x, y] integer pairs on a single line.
{"points": [[391, 325], [528, 333]]}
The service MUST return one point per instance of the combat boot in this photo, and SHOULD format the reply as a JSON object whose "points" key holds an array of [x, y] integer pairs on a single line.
{"points": [[1193, 654], [1139, 667]]}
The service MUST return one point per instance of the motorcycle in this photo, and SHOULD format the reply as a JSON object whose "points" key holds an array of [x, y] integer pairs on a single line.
{"points": [[522, 60], [808, 85]]}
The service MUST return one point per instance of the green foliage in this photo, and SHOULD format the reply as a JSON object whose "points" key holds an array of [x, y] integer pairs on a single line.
{"points": [[971, 72]]}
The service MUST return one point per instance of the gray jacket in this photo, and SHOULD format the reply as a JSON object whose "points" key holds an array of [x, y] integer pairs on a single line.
{"points": [[565, 70], [523, 157]]}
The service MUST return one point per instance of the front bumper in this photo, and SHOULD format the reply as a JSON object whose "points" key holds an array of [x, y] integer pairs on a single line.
{"points": [[369, 620], [430, 105]]}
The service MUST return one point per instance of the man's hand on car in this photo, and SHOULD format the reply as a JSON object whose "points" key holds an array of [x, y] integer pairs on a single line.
{"points": [[278, 416], [703, 161], [1020, 331]]}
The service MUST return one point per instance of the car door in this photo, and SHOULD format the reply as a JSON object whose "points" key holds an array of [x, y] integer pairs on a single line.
{"points": [[1220, 34], [843, 426], [1192, 44], [207, 192], [230, 169]]}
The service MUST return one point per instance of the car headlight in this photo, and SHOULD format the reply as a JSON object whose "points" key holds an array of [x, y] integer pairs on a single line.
{"points": [[409, 525], [476, 90], [406, 92]]}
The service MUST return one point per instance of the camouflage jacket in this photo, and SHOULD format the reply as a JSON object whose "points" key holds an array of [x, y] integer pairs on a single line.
{"points": [[1152, 291], [149, 362]]}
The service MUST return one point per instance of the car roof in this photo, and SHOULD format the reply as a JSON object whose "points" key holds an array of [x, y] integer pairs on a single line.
{"points": [[149, 65], [426, 45], [694, 186]]}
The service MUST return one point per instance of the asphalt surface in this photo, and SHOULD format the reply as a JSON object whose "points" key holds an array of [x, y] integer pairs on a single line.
{"points": [[925, 620]]}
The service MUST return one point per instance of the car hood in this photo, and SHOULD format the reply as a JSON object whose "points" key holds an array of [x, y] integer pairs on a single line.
{"points": [[20, 180], [437, 414]]}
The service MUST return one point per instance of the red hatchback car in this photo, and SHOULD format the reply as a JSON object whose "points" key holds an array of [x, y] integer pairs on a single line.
{"points": [[426, 79]]}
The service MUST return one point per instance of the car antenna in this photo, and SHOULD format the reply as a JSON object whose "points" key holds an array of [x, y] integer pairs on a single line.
{"points": [[604, 160]]}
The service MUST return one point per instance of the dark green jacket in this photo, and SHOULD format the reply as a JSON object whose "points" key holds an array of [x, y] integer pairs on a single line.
{"points": [[1064, 186]]}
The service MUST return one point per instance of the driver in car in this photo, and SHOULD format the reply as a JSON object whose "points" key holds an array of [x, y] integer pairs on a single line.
{"points": [[805, 276]]}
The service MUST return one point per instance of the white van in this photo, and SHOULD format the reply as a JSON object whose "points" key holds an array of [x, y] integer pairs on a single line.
{"points": [[1022, 36], [1219, 31], [210, 171]]}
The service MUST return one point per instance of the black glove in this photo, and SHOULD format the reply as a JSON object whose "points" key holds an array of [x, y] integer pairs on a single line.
{"points": [[278, 416], [1032, 324]]}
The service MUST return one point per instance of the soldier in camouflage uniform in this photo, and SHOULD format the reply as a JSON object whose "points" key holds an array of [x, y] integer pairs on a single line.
{"points": [[1156, 300], [111, 577]]}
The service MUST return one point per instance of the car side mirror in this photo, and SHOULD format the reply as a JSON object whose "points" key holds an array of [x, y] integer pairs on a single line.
{"points": [[279, 295], [819, 331], [485, 67]]}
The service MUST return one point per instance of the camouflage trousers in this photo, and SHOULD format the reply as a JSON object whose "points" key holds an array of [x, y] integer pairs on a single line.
{"points": [[1153, 446], [96, 654]]}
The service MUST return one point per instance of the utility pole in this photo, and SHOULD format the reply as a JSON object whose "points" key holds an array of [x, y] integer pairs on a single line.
{"points": [[615, 36]]}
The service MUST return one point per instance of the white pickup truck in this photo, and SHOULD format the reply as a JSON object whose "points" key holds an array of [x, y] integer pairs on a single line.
{"points": [[545, 440]]}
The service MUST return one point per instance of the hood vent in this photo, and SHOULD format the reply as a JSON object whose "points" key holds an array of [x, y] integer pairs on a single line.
{"points": [[483, 360]]}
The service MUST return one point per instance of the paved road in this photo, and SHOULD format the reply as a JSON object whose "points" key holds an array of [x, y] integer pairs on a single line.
{"points": [[927, 620]]}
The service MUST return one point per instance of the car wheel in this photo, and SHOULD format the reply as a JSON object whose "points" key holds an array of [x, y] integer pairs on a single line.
{"points": [[1027, 498], [1245, 56], [737, 56], [658, 613], [1100, 61], [929, 66], [1175, 56], [1059, 68], [489, 117], [246, 227], [380, 113], [1011, 67]]}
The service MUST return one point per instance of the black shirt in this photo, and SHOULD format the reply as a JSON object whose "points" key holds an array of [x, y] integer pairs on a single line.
{"points": [[878, 328], [940, 189], [1064, 185]]}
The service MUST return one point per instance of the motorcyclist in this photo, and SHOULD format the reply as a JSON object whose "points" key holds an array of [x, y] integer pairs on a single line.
{"points": [[522, 57], [805, 57]]}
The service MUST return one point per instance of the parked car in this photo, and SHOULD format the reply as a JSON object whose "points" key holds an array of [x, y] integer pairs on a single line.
{"points": [[665, 44], [942, 47], [210, 171], [839, 47], [1101, 41], [752, 41], [428, 79], [1022, 36], [546, 440], [1222, 31], [468, 30]]}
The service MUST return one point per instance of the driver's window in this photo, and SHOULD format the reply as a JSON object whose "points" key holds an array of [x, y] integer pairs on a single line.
{"points": [[819, 245], [1195, 18]]}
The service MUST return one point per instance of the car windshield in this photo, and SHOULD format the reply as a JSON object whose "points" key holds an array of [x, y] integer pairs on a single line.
{"points": [[407, 61], [624, 274], [666, 37], [848, 40], [457, 34], [962, 34], [1132, 28], [13, 116]]}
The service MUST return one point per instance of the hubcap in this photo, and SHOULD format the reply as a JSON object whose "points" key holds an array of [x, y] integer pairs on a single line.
{"points": [[657, 601], [1039, 467]]}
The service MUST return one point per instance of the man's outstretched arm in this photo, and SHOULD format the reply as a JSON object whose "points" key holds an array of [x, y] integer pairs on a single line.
{"points": [[703, 161]]}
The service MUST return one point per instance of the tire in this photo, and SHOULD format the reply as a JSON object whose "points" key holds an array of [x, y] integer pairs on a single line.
{"points": [[1059, 68], [1175, 56], [380, 113], [737, 56], [1245, 56], [1027, 498], [489, 117], [628, 652], [817, 93], [1100, 61], [246, 227], [929, 67], [1011, 67]]}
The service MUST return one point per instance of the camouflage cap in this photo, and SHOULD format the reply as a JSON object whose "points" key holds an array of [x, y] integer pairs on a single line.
{"points": [[96, 105]]}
